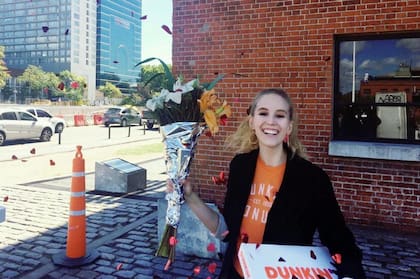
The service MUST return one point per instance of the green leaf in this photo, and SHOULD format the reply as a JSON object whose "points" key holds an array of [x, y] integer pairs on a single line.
{"points": [[214, 82], [168, 73], [152, 78]]}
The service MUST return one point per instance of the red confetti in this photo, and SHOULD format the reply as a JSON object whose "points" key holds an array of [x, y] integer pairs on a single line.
{"points": [[173, 241], [212, 267], [225, 233], [197, 270], [267, 198], [167, 30], [119, 266], [211, 247], [336, 258], [219, 180], [167, 265], [61, 86], [14, 157], [313, 256], [223, 120], [6, 198], [74, 84], [52, 163], [244, 237], [143, 17], [33, 151]]}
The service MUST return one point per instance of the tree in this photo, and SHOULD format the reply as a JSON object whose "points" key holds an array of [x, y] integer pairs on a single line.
{"points": [[38, 82], [4, 74], [71, 86], [152, 79], [110, 91]]}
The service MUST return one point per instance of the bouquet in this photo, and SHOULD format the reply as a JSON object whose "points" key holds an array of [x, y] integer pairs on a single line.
{"points": [[185, 111]]}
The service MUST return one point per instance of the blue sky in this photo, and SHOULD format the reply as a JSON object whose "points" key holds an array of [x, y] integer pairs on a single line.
{"points": [[155, 41]]}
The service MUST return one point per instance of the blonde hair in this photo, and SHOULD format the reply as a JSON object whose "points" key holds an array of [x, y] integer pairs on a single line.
{"points": [[244, 139]]}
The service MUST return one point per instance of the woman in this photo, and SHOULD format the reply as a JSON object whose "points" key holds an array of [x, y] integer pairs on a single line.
{"points": [[274, 195]]}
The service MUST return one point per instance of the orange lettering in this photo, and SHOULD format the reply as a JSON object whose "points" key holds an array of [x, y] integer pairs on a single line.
{"points": [[325, 273], [270, 272], [306, 272], [296, 272], [283, 273]]}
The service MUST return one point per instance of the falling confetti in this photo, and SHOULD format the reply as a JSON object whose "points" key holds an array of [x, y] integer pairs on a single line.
{"points": [[74, 84], [212, 267], [281, 259], [6, 198], [45, 29], [143, 17], [14, 157], [197, 270], [313, 256], [61, 86], [67, 32], [336, 258], [115, 62], [52, 163], [172, 241], [211, 247], [119, 266], [167, 30], [220, 179], [33, 151]]}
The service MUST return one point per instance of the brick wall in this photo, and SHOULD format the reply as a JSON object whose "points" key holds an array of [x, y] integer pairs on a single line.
{"points": [[289, 44]]}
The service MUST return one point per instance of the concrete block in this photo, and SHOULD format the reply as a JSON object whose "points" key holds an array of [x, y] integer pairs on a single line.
{"points": [[193, 237], [2, 213], [119, 176]]}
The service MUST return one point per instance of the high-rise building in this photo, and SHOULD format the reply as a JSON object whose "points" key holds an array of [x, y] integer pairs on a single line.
{"points": [[55, 35], [118, 43]]}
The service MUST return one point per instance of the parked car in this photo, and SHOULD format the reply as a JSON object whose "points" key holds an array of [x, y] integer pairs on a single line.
{"points": [[19, 124], [148, 118], [122, 116], [57, 122]]}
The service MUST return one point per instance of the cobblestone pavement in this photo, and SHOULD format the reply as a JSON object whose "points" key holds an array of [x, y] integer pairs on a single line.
{"points": [[123, 230]]}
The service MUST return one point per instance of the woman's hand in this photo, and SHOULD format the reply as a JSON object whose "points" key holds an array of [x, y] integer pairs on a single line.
{"points": [[185, 183]]}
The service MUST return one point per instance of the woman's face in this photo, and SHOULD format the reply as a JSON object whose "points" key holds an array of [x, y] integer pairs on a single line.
{"points": [[271, 121]]}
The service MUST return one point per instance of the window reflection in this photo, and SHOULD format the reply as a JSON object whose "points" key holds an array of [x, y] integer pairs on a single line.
{"points": [[377, 88]]}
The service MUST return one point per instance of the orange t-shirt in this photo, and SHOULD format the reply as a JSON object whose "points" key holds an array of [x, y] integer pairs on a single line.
{"points": [[266, 184]]}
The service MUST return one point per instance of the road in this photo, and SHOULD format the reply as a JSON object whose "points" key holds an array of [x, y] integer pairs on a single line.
{"points": [[46, 160]]}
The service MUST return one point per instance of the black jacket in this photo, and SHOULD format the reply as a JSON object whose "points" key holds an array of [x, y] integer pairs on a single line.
{"points": [[305, 203]]}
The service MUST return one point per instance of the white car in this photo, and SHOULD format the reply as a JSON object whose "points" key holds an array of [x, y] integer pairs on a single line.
{"points": [[18, 124], [58, 122]]}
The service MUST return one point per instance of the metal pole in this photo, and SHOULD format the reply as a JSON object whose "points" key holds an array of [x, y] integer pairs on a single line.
{"points": [[129, 130], [109, 132], [59, 138]]}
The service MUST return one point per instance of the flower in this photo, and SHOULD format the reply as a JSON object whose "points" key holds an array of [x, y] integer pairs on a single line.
{"points": [[188, 102]]}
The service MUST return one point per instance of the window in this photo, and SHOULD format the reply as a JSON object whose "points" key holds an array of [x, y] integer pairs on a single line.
{"points": [[376, 89]]}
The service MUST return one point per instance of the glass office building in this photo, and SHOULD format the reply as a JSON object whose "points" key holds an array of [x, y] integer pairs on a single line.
{"points": [[55, 35], [118, 43]]}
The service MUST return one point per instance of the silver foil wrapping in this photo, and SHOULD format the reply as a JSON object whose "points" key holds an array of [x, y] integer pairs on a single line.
{"points": [[180, 139]]}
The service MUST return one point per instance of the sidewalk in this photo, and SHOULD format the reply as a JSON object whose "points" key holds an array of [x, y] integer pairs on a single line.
{"points": [[124, 231]]}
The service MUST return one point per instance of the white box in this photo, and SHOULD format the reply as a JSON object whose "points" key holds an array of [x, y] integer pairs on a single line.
{"points": [[2, 213], [268, 261]]}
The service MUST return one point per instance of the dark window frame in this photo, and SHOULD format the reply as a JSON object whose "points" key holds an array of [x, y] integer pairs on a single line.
{"points": [[357, 144]]}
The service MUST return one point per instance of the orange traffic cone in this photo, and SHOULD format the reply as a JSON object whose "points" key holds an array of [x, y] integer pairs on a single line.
{"points": [[76, 253]]}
